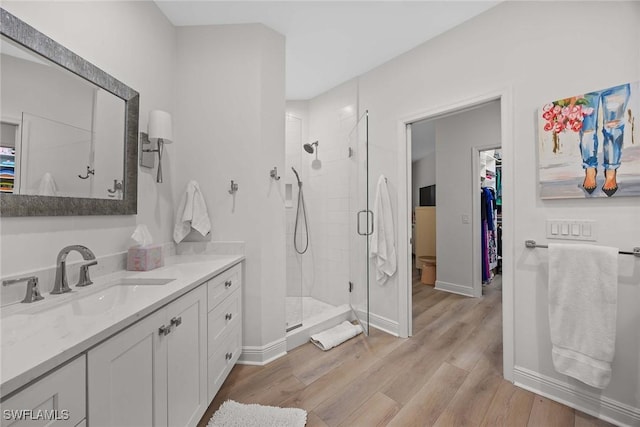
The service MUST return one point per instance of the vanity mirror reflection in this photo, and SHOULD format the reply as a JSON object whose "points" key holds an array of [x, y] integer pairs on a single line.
{"points": [[68, 142]]}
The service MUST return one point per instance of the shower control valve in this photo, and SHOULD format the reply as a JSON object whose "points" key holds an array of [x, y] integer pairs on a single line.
{"points": [[234, 187], [274, 174]]}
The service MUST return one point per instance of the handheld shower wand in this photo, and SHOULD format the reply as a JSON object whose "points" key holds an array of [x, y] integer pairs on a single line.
{"points": [[297, 176], [300, 209]]}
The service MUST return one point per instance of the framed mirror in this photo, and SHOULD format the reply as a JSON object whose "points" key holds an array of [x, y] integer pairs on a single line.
{"points": [[69, 131]]}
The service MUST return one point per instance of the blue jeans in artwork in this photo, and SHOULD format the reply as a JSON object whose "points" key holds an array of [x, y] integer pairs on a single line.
{"points": [[614, 103]]}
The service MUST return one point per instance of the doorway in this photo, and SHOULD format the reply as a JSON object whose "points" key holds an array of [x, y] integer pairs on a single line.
{"points": [[487, 212], [463, 216]]}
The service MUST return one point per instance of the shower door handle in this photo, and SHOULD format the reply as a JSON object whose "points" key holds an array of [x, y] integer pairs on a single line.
{"points": [[366, 233]]}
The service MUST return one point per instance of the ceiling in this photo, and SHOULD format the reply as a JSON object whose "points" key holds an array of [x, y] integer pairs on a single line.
{"points": [[330, 42]]}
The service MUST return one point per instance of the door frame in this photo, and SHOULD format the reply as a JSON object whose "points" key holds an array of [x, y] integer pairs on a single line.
{"points": [[504, 95]]}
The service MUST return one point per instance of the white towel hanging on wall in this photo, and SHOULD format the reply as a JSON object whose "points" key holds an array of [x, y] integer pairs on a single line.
{"points": [[383, 243], [192, 213], [583, 292]]}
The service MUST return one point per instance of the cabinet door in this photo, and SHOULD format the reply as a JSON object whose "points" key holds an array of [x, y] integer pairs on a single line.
{"points": [[125, 377], [186, 355], [56, 400]]}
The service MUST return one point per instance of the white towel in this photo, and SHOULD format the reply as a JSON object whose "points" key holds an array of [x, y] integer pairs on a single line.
{"points": [[47, 186], [330, 338], [383, 245], [583, 294], [192, 213]]}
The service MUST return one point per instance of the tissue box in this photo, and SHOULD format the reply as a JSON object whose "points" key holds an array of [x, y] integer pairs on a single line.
{"points": [[143, 258]]}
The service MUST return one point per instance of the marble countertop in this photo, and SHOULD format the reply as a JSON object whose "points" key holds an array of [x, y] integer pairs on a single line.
{"points": [[39, 336]]}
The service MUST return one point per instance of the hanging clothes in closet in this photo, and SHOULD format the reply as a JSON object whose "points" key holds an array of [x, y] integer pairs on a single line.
{"points": [[489, 233]]}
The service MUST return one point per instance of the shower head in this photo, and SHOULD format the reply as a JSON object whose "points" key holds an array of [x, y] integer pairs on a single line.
{"points": [[309, 147], [297, 176]]}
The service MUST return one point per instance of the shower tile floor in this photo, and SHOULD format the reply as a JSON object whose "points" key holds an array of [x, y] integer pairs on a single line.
{"points": [[310, 308]]}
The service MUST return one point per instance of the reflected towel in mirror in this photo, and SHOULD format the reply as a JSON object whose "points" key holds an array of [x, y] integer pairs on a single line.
{"points": [[47, 186]]}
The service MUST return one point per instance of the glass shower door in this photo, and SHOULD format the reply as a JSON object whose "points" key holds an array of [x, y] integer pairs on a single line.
{"points": [[295, 260], [360, 221]]}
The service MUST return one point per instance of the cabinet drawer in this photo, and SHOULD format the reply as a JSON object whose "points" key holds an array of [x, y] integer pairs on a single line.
{"points": [[59, 396], [223, 318], [223, 285], [223, 359]]}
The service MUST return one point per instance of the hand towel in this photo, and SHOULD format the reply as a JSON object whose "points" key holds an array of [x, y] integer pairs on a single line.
{"points": [[330, 338], [383, 246], [583, 294], [47, 186], [192, 213]]}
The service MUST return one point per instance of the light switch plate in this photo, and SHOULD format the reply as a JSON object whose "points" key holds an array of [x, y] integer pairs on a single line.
{"points": [[572, 229]]}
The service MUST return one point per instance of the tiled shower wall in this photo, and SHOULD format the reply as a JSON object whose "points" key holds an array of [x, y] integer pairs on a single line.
{"points": [[323, 272]]}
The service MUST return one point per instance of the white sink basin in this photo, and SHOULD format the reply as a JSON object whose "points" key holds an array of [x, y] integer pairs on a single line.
{"points": [[142, 282], [85, 303], [91, 302]]}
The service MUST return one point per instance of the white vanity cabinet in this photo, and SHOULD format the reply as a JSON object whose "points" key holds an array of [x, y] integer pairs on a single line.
{"points": [[224, 326], [58, 399], [154, 372]]}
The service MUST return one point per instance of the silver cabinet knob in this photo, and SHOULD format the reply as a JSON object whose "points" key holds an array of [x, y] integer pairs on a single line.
{"points": [[228, 356], [164, 330], [176, 321], [228, 284], [228, 316]]}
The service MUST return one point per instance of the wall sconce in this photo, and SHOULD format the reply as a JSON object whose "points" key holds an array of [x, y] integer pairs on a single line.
{"points": [[161, 132]]}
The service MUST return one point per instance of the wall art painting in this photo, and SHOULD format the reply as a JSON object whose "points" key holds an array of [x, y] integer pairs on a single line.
{"points": [[589, 144]]}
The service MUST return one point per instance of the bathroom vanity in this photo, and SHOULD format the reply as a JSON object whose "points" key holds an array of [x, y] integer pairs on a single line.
{"points": [[135, 348]]}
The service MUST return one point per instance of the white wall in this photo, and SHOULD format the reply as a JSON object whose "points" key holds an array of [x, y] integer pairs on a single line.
{"points": [[332, 116], [511, 46], [135, 43], [108, 125], [230, 126], [456, 135], [45, 91]]}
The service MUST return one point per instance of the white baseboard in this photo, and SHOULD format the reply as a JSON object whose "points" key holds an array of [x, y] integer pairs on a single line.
{"points": [[382, 323], [454, 288], [261, 355], [386, 325], [591, 403]]}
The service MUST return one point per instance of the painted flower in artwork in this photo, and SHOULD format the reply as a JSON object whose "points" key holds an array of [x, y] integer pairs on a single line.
{"points": [[565, 114]]}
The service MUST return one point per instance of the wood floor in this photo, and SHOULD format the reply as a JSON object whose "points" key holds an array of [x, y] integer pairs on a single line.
{"points": [[448, 374]]}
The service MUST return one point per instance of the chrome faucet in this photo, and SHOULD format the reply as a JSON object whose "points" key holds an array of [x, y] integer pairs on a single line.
{"points": [[61, 285], [33, 293]]}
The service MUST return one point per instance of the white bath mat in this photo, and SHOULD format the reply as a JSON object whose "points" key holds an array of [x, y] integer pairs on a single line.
{"points": [[330, 338], [234, 414]]}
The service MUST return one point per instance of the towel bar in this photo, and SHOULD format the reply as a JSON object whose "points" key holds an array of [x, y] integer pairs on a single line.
{"points": [[532, 244]]}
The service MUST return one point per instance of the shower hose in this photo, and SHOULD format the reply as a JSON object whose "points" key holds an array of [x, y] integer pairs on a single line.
{"points": [[301, 208]]}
